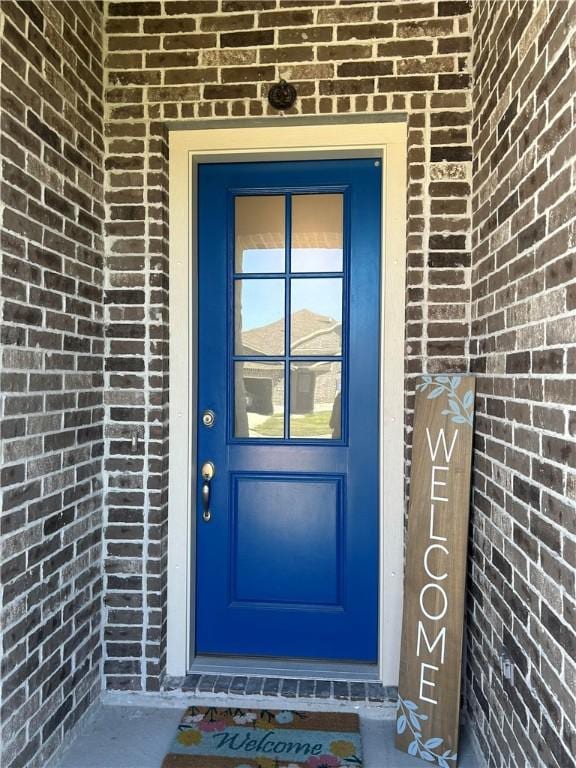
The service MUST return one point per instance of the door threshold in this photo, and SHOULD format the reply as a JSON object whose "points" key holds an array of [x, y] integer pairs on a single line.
{"points": [[285, 668]]}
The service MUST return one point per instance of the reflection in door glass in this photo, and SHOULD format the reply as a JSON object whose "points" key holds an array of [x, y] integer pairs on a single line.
{"points": [[259, 399], [259, 317], [260, 233], [316, 316], [317, 239], [315, 399]]}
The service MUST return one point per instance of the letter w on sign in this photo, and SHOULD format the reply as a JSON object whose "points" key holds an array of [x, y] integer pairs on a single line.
{"points": [[435, 578]]}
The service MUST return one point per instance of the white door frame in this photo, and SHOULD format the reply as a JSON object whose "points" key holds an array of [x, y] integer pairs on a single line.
{"points": [[284, 140]]}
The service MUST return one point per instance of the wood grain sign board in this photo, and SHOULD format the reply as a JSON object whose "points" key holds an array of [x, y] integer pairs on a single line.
{"points": [[434, 587]]}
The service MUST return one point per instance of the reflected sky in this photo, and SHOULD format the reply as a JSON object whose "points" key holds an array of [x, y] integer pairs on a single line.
{"points": [[323, 296], [316, 259], [263, 260], [303, 260], [263, 300]]}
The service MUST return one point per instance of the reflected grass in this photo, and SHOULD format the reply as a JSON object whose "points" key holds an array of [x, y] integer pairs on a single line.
{"points": [[308, 425]]}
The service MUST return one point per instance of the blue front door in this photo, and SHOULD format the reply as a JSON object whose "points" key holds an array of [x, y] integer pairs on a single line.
{"points": [[288, 361]]}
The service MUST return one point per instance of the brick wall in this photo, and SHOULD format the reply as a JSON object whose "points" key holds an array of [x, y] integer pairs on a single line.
{"points": [[52, 357], [523, 350], [183, 59]]}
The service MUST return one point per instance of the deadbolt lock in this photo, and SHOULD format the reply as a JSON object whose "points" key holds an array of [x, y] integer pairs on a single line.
{"points": [[208, 418]]}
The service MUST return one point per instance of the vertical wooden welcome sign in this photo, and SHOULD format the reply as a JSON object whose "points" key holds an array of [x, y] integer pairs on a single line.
{"points": [[434, 586]]}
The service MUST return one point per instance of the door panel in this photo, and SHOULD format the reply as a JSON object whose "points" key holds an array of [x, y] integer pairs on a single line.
{"points": [[311, 511], [289, 275]]}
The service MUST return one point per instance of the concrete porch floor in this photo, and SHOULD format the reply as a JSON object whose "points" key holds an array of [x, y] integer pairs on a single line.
{"points": [[129, 733]]}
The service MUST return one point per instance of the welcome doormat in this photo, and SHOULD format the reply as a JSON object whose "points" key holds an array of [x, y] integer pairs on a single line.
{"points": [[210, 737]]}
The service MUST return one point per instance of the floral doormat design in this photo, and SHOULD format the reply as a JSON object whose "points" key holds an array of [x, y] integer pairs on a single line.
{"points": [[210, 737]]}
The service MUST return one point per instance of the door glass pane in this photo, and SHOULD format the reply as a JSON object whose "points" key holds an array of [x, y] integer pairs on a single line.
{"points": [[258, 399], [317, 226], [316, 316], [259, 317], [260, 233], [315, 399]]}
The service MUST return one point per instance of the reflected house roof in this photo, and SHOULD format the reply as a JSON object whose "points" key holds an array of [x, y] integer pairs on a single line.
{"points": [[312, 334]]}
